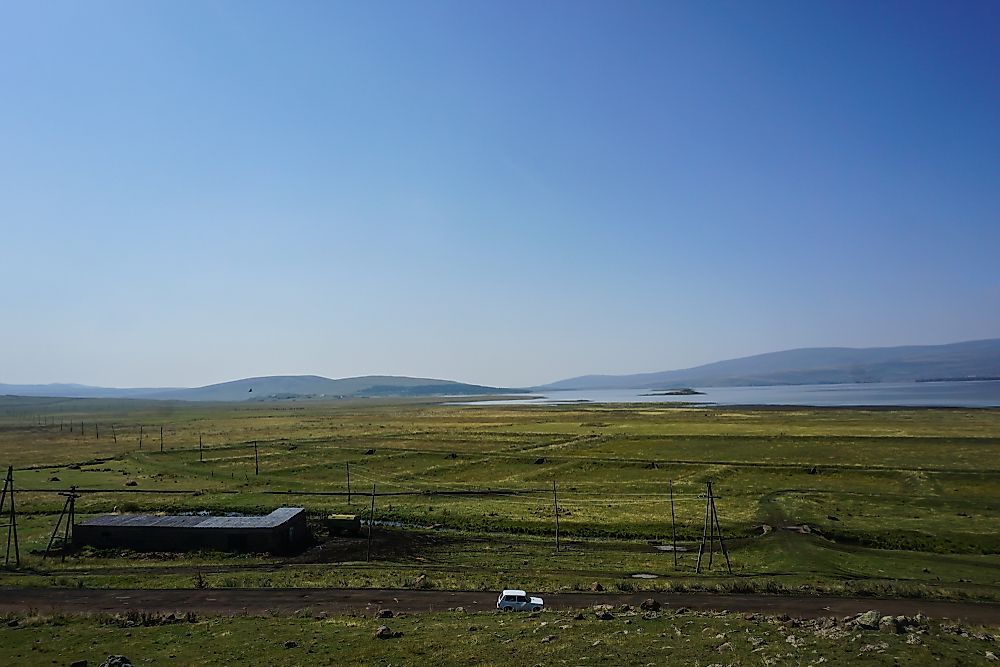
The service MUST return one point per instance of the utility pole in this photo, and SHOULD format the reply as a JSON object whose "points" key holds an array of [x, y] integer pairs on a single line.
{"points": [[161, 438], [140, 437], [371, 521], [555, 507], [673, 523], [348, 482], [11, 525], [201, 453], [256, 459]]}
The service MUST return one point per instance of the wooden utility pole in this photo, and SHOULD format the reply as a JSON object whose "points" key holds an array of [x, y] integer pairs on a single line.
{"points": [[704, 533], [97, 431], [256, 459], [113, 434], [201, 453], [161, 438], [371, 521], [348, 482], [140, 437], [673, 523], [555, 508], [11, 516], [69, 512], [711, 527]]}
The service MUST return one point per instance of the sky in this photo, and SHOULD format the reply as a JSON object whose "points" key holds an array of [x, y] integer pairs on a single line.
{"points": [[505, 193]]}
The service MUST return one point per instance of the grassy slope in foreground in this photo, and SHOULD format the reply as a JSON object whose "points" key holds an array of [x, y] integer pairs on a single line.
{"points": [[484, 639]]}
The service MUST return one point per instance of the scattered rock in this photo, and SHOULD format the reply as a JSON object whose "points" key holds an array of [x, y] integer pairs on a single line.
{"points": [[579, 616], [990, 655], [473, 628], [832, 518], [596, 587], [868, 620], [649, 604], [117, 661], [369, 452], [725, 647], [749, 616], [53, 479], [460, 610], [889, 625], [12, 623], [548, 638], [540, 460], [625, 608], [291, 643], [681, 610], [131, 482], [605, 615], [383, 613], [383, 632]]}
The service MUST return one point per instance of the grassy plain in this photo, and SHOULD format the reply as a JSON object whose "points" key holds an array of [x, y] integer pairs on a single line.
{"points": [[456, 638], [897, 501]]}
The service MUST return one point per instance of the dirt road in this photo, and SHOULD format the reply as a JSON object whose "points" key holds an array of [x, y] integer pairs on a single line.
{"points": [[277, 600]]}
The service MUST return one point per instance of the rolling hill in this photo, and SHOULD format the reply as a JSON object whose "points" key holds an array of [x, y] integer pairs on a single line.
{"points": [[969, 360], [272, 387]]}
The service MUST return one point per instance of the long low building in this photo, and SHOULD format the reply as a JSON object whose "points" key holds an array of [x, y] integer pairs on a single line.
{"points": [[282, 531]]}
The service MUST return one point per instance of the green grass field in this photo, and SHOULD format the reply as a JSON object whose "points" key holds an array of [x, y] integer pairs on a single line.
{"points": [[897, 501], [455, 638]]}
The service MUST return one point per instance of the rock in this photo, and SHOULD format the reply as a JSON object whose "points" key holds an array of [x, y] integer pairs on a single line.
{"points": [[888, 625], [725, 647], [990, 655], [813, 470], [868, 620], [596, 587], [131, 482], [369, 452], [625, 608], [291, 643], [548, 638], [540, 461], [383, 632], [681, 610], [649, 604], [460, 610], [53, 479], [12, 623], [832, 518], [117, 661], [78, 663], [383, 613], [604, 615], [473, 628]]}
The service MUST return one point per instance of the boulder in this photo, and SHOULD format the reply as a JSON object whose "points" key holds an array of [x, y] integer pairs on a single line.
{"points": [[604, 615], [649, 604], [383, 613], [291, 643], [117, 661], [868, 620], [383, 632]]}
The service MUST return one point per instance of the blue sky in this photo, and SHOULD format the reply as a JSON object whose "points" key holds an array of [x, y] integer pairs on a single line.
{"points": [[497, 192]]}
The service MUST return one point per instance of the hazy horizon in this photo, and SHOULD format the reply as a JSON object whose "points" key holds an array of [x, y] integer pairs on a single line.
{"points": [[505, 194]]}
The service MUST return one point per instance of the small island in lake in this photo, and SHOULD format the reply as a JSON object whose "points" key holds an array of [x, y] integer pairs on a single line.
{"points": [[686, 391]]}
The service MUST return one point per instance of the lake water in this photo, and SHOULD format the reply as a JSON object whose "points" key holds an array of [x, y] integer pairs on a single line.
{"points": [[984, 394]]}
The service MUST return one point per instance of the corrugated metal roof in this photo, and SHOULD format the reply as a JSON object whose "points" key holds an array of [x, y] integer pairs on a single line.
{"points": [[272, 520]]}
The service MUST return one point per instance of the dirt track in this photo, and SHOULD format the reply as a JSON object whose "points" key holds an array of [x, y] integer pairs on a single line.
{"points": [[279, 600]]}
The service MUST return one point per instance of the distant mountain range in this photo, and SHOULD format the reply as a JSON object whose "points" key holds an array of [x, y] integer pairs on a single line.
{"points": [[826, 365], [823, 365], [275, 387]]}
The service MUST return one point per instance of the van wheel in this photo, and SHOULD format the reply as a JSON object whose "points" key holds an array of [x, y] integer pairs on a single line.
{"points": [[507, 608], [536, 609]]}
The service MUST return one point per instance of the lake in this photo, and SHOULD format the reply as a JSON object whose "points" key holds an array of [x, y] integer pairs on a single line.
{"points": [[982, 394]]}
